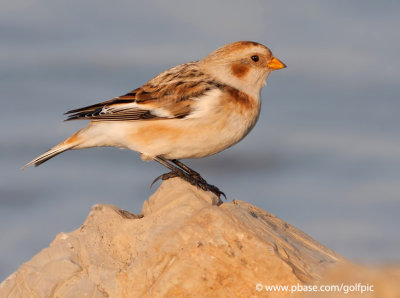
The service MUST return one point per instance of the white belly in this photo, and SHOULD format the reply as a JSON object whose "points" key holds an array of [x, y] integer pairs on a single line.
{"points": [[191, 138]]}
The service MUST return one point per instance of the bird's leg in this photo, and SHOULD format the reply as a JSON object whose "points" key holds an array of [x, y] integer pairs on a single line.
{"points": [[197, 176], [172, 174], [195, 180], [191, 172], [175, 172], [166, 164]]}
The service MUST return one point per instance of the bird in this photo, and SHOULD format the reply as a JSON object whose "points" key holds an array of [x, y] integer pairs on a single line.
{"points": [[192, 110]]}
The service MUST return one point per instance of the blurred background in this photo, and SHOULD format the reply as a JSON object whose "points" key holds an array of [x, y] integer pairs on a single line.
{"points": [[324, 156]]}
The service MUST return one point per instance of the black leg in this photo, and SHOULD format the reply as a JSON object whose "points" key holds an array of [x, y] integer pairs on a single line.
{"points": [[190, 176], [172, 174], [165, 163], [192, 172]]}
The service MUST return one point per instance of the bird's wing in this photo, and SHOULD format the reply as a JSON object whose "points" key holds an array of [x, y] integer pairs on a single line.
{"points": [[171, 94]]}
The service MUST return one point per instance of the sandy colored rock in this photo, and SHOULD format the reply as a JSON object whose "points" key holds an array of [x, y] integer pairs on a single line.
{"points": [[183, 245], [359, 281]]}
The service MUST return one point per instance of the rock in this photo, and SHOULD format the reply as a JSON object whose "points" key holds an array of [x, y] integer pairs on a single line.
{"points": [[354, 280], [184, 244]]}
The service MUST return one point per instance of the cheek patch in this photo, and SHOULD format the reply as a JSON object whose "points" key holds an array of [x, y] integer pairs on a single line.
{"points": [[239, 70]]}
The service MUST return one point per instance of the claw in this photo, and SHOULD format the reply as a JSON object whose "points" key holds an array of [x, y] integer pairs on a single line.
{"points": [[213, 189], [155, 180], [165, 176]]}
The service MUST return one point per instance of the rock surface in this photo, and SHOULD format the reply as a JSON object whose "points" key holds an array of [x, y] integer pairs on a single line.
{"points": [[359, 281], [184, 244]]}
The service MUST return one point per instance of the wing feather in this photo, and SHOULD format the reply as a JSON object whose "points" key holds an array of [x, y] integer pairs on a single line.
{"points": [[171, 94]]}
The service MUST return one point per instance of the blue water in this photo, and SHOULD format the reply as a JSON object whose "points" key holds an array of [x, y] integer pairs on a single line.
{"points": [[324, 156]]}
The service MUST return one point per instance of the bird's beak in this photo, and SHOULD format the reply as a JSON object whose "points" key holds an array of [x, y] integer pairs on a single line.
{"points": [[275, 64]]}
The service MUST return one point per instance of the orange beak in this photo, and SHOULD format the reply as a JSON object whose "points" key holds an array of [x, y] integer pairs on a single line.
{"points": [[275, 64]]}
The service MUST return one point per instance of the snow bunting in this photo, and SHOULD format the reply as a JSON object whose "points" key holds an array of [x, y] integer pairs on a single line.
{"points": [[192, 110]]}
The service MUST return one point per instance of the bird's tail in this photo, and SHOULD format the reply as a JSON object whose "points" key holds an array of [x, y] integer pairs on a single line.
{"points": [[68, 144]]}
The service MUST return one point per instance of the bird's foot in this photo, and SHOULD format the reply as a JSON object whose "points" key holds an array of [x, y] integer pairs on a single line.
{"points": [[195, 180], [197, 177], [190, 171]]}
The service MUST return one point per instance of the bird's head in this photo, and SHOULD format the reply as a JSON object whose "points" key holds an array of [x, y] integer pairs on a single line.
{"points": [[244, 65]]}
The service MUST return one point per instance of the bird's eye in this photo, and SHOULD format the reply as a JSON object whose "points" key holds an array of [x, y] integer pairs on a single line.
{"points": [[254, 58]]}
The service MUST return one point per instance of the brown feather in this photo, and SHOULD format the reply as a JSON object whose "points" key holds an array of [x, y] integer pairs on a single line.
{"points": [[173, 91]]}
